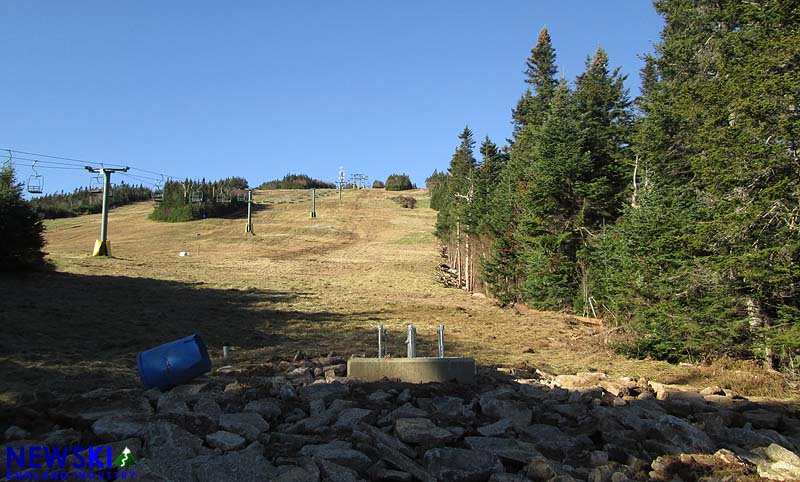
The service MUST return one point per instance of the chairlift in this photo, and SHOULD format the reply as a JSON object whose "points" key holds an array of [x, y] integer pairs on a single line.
{"points": [[96, 184], [241, 196], [36, 181], [158, 192], [223, 197], [196, 197]]}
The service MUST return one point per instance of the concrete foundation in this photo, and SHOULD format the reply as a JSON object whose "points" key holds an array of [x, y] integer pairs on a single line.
{"points": [[413, 370]]}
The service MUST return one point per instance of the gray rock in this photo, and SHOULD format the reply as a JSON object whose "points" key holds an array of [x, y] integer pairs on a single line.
{"points": [[177, 397], [554, 443], [324, 391], [339, 452], [404, 396], [496, 429], [448, 406], [761, 418], [461, 465], [421, 431], [350, 417], [682, 435], [249, 425], [208, 407], [197, 423], [405, 411], [63, 437], [506, 448], [400, 461], [776, 453], [539, 469], [298, 474], [335, 472], [312, 449], [16, 433], [248, 465], [508, 478], [225, 441], [498, 408], [316, 407], [379, 396], [378, 436], [165, 441], [113, 428], [388, 475], [268, 408], [287, 392]]}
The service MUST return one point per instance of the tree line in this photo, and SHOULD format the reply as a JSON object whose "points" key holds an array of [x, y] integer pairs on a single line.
{"points": [[297, 181], [87, 201], [675, 214], [191, 199]]}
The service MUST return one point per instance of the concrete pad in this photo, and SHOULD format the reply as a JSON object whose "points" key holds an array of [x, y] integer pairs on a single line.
{"points": [[413, 370]]}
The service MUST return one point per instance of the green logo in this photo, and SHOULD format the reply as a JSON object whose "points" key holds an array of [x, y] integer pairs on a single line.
{"points": [[124, 460]]}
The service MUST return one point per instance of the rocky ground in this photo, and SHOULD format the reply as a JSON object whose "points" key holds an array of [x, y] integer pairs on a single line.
{"points": [[302, 420]]}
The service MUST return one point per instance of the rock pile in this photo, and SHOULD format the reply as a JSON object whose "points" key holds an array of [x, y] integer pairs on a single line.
{"points": [[303, 421]]}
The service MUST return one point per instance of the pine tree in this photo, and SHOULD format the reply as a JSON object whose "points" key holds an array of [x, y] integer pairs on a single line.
{"points": [[21, 229], [719, 138], [556, 195], [604, 116], [502, 269]]}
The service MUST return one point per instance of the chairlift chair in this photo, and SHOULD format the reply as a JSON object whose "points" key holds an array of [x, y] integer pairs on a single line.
{"points": [[36, 181], [241, 196], [96, 184], [158, 190], [223, 197], [196, 197]]}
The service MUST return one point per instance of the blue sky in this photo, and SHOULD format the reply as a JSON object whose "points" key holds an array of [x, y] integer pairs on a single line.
{"points": [[259, 89]]}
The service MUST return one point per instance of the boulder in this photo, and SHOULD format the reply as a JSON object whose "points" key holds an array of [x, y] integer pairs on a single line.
{"points": [[681, 434], [249, 425], [339, 453], [247, 465], [335, 472], [421, 431], [498, 408], [496, 429], [111, 428], [324, 391], [268, 408], [225, 441], [507, 449], [461, 465], [350, 417]]}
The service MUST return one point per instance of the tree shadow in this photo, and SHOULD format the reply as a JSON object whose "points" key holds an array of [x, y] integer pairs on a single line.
{"points": [[72, 332]]}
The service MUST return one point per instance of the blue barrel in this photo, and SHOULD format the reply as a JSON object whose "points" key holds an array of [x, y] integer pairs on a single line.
{"points": [[173, 363]]}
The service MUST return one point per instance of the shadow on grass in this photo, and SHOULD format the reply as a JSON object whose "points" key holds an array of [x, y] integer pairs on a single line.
{"points": [[71, 332]]}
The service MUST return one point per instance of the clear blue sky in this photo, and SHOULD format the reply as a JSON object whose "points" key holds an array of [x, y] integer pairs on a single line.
{"points": [[258, 89]]}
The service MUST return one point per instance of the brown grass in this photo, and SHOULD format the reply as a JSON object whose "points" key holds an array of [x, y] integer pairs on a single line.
{"points": [[314, 285]]}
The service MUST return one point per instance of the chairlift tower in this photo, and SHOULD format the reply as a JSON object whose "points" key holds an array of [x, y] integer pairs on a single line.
{"points": [[341, 182], [102, 247], [248, 229]]}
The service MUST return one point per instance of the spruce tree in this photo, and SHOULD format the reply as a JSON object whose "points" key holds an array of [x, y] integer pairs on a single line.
{"points": [[502, 269], [719, 139], [604, 117], [21, 229]]}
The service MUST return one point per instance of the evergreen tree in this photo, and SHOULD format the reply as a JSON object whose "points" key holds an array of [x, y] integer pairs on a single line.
{"points": [[541, 75], [556, 193], [604, 117], [502, 268], [719, 139], [21, 229]]}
